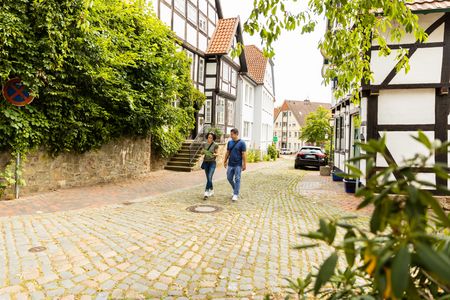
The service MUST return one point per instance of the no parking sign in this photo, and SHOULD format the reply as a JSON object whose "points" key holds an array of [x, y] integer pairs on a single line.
{"points": [[16, 93]]}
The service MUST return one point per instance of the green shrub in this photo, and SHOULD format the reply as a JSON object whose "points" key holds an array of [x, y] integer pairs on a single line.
{"points": [[404, 251], [266, 157], [251, 156], [272, 152], [257, 155]]}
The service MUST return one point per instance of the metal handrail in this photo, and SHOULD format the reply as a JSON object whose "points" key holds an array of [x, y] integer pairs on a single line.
{"points": [[193, 149]]}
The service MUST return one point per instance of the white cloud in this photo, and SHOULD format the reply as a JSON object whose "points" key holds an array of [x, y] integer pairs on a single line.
{"points": [[298, 62]]}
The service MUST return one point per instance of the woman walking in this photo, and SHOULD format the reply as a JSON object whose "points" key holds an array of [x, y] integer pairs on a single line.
{"points": [[210, 150]]}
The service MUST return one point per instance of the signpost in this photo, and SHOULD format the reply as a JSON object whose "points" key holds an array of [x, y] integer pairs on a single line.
{"points": [[16, 93]]}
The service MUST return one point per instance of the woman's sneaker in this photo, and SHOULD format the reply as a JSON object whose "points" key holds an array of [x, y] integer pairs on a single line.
{"points": [[235, 198], [205, 197], [211, 193]]}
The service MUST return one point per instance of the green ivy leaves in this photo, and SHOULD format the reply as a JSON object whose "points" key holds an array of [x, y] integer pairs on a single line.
{"points": [[100, 70]]}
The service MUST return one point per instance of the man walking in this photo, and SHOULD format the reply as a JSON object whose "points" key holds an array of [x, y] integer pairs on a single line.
{"points": [[236, 162]]}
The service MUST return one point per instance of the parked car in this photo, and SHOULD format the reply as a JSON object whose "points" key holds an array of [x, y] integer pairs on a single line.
{"points": [[310, 157], [285, 151]]}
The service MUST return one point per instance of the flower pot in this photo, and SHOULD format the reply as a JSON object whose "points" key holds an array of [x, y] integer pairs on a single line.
{"points": [[336, 177], [350, 186], [325, 171]]}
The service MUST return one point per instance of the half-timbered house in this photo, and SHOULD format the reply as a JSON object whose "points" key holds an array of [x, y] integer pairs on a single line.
{"points": [[398, 104]]}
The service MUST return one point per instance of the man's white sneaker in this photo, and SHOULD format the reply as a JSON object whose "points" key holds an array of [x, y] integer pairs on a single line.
{"points": [[206, 195], [235, 198], [211, 193]]}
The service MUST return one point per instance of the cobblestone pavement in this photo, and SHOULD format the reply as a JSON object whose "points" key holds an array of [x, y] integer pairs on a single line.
{"points": [[155, 248], [112, 193]]}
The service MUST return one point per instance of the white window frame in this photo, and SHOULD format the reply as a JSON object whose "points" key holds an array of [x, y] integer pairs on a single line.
{"points": [[230, 113], [192, 57], [203, 23], [208, 111], [220, 111], [201, 70]]}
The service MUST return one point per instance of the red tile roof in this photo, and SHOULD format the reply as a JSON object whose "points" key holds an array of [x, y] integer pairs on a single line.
{"points": [[300, 109], [256, 63], [424, 5], [223, 36]]}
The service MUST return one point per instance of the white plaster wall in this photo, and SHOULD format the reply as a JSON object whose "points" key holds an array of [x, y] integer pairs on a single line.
{"points": [[165, 13], [402, 146], [424, 21], [211, 68], [416, 106], [192, 35], [210, 83], [425, 67], [179, 26], [202, 42]]}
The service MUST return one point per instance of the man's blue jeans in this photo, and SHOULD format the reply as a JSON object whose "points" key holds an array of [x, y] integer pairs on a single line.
{"points": [[210, 168], [234, 177]]}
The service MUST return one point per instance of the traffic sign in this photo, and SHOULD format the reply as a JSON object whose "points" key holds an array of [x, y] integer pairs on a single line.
{"points": [[275, 139], [16, 93]]}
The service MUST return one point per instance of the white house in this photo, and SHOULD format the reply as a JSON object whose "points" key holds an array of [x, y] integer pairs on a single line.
{"points": [[398, 104], [208, 38], [289, 120], [256, 100]]}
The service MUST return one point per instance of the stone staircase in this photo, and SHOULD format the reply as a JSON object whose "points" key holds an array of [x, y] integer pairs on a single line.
{"points": [[180, 162]]}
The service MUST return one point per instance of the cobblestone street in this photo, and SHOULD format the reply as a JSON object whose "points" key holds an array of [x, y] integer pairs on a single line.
{"points": [[155, 248]]}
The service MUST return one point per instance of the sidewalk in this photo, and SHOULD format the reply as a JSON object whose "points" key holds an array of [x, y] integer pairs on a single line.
{"points": [[156, 183]]}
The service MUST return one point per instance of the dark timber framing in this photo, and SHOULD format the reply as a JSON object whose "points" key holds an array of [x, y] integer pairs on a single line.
{"points": [[442, 99]]}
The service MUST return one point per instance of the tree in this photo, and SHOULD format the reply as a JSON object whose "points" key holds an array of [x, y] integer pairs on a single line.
{"points": [[352, 25], [317, 129], [100, 69]]}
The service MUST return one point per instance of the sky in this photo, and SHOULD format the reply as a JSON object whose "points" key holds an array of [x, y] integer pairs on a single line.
{"points": [[298, 62]]}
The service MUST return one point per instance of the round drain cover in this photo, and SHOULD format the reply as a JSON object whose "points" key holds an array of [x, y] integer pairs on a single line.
{"points": [[204, 209], [37, 249]]}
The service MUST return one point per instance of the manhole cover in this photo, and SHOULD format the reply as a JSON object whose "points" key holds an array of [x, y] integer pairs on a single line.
{"points": [[204, 209], [37, 249]]}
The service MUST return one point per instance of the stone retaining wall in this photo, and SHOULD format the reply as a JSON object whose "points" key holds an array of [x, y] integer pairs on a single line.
{"points": [[120, 159]]}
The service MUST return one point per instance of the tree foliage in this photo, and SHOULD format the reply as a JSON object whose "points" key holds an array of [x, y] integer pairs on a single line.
{"points": [[352, 26], [317, 129], [100, 69]]}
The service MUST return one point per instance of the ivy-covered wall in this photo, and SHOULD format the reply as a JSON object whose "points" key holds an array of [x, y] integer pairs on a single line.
{"points": [[100, 69]]}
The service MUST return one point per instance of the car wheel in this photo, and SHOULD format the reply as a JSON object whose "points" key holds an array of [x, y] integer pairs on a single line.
{"points": [[297, 167]]}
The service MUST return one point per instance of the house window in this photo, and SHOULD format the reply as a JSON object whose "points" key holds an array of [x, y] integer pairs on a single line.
{"points": [[290, 134], [220, 111], [230, 112], [208, 111], [246, 132], [342, 134], [201, 70], [202, 23], [180, 5], [246, 94], [192, 57], [192, 13], [233, 78]]}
